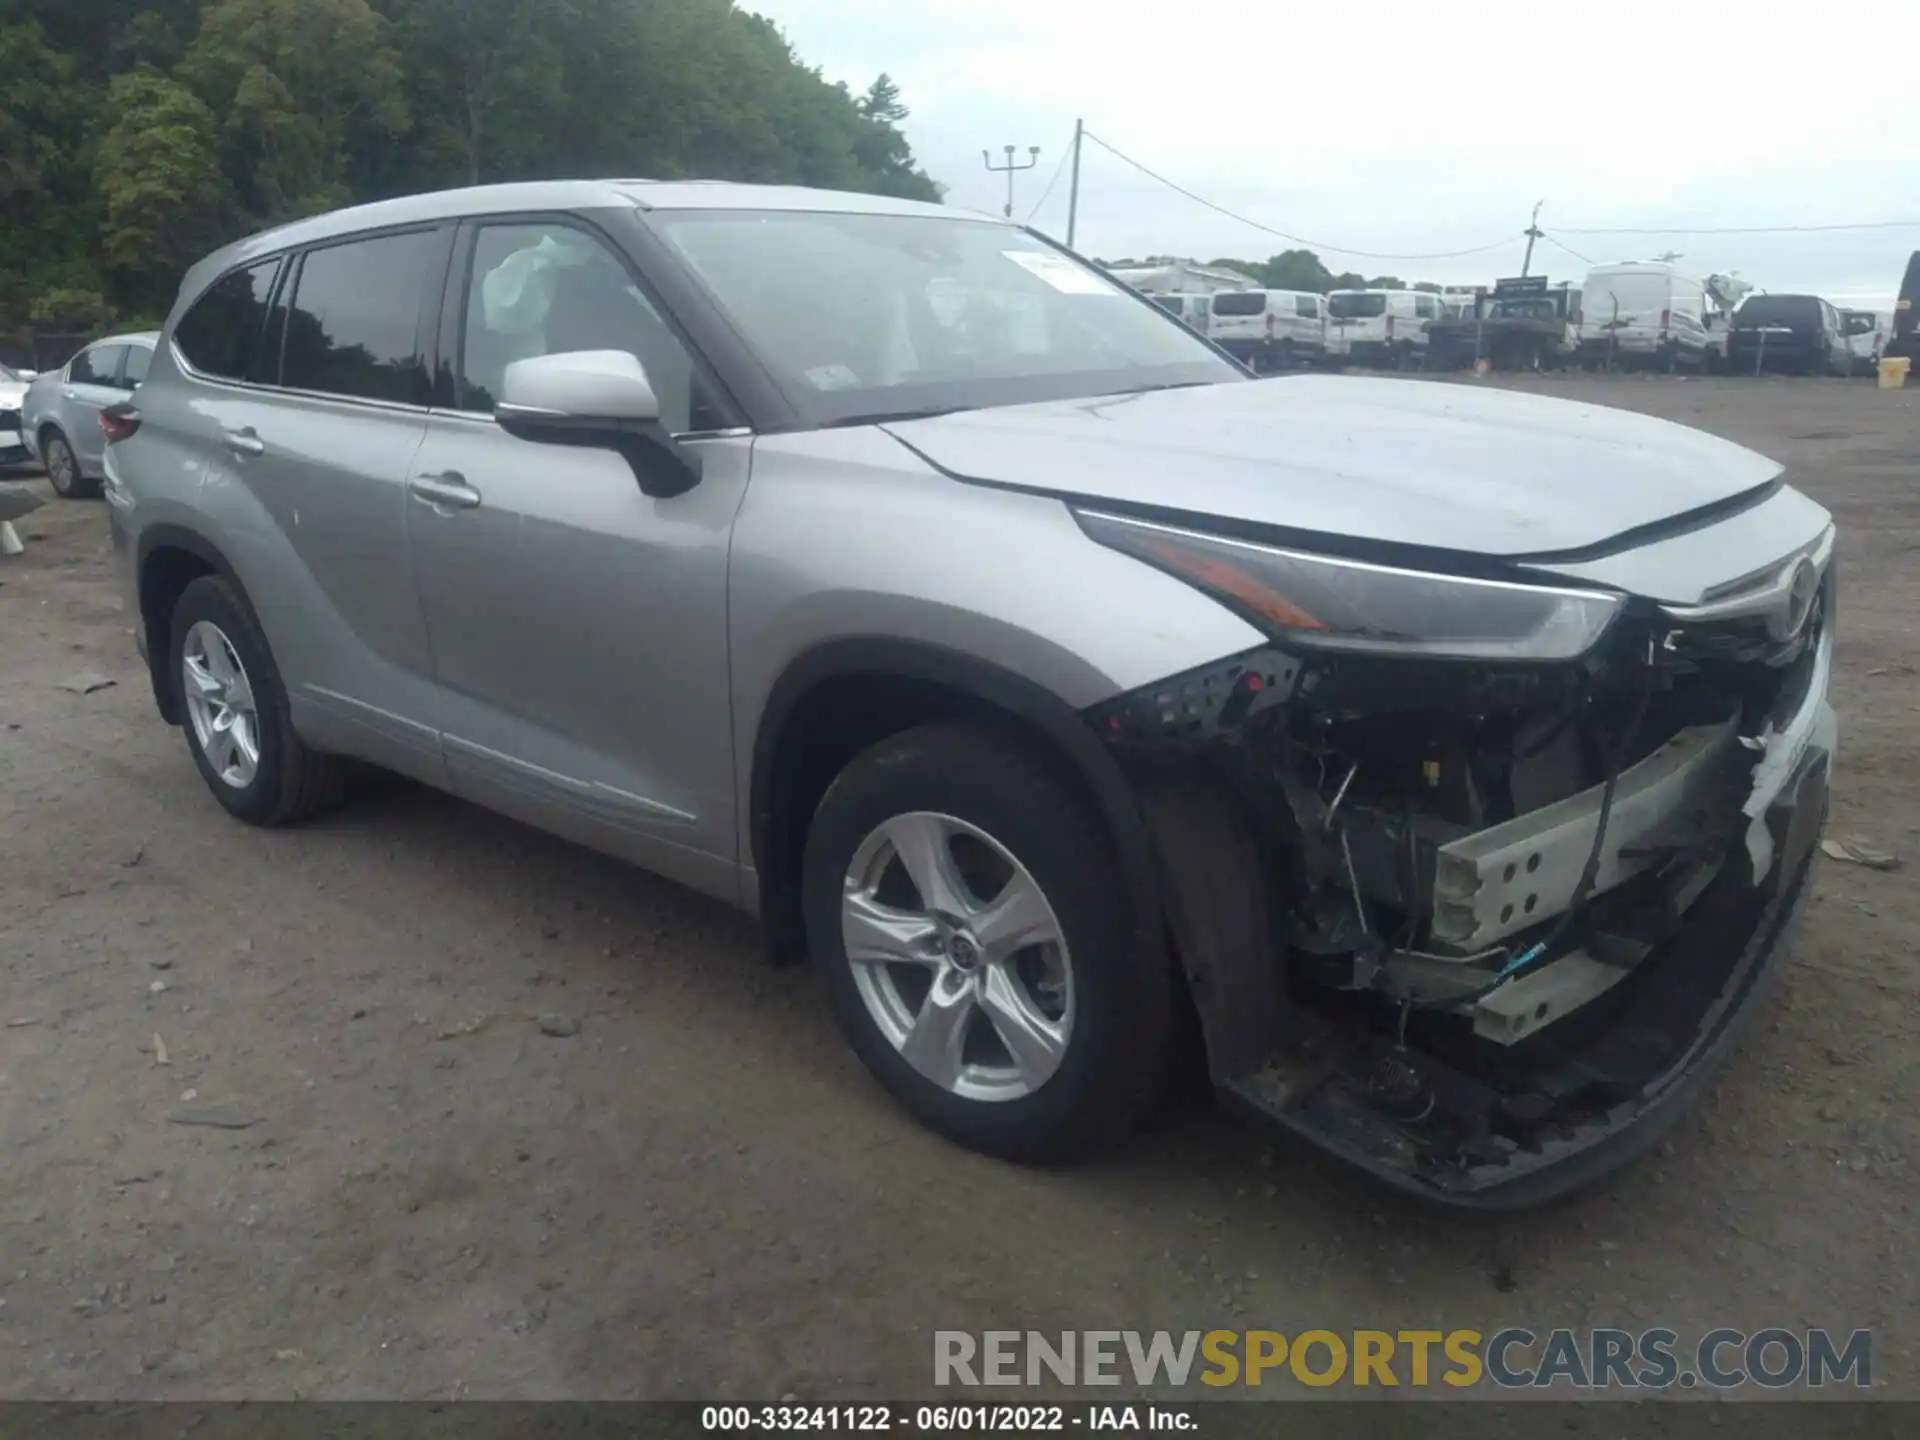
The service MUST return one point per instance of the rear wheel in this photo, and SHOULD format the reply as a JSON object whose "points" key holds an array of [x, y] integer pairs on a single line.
{"points": [[63, 468], [239, 728], [961, 902]]}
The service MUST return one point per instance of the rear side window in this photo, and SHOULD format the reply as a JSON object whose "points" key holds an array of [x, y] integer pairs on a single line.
{"points": [[1240, 302], [353, 323], [139, 357], [220, 335], [1356, 305], [97, 366]]}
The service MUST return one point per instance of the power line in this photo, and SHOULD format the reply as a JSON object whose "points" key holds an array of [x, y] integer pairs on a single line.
{"points": [[1052, 180], [1282, 234], [1552, 239], [1740, 229]]}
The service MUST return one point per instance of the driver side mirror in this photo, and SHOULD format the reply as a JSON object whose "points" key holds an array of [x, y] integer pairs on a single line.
{"points": [[600, 400]]}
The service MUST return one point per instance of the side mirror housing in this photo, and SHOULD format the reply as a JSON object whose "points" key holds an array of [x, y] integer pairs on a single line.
{"points": [[601, 400]]}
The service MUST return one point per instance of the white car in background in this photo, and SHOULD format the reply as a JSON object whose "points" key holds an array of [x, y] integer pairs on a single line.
{"points": [[1386, 329], [1191, 310], [1647, 314], [13, 393], [1868, 332], [60, 416], [1269, 329]]}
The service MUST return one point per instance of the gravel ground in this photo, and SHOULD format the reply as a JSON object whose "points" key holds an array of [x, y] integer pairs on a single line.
{"points": [[699, 1194]]}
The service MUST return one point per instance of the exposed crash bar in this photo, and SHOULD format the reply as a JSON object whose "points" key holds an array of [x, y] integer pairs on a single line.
{"points": [[1499, 881]]}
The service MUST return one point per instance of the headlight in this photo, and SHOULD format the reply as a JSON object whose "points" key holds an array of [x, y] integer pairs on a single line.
{"points": [[1354, 605]]}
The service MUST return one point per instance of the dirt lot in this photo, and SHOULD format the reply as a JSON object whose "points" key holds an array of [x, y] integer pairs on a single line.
{"points": [[699, 1194]]}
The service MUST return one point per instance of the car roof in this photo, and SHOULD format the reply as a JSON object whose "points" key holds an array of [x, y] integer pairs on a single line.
{"points": [[131, 337], [479, 200]]}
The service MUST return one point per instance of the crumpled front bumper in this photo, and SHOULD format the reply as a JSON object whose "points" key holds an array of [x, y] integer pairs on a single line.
{"points": [[1332, 1106]]}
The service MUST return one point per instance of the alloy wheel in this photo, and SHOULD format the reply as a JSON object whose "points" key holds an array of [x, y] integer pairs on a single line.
{"points": [[220, 704], [61, 470], [958, 956]]}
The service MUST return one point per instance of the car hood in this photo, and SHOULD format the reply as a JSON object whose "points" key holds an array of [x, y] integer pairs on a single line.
{"points": [[1440, 466]]}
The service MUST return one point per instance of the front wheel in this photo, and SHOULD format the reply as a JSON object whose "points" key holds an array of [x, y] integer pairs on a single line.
{"points": [[964, 906]]}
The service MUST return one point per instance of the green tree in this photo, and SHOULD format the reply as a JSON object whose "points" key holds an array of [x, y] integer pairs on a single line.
{"points": [[166, 200], [882, 101], [1297, 270], [137, 134], [306, 86], [481, 74]]}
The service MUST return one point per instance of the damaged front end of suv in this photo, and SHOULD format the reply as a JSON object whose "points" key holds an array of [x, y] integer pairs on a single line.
{"points": [[1475, 875]]}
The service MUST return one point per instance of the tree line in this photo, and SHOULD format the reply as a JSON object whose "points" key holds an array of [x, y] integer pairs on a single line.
{"points": [[139, 134]]}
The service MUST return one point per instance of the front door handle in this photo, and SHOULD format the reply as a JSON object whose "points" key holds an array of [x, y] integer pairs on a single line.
{"points": [[450, 490], [244, 442]]}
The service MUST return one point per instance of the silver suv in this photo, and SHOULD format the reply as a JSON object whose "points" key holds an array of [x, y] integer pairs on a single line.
{"points": [[1446, 764]]}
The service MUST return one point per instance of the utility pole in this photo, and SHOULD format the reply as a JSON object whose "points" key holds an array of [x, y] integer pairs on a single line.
{"points": [[1073, 181], [1010, 168], [1533, 233]]}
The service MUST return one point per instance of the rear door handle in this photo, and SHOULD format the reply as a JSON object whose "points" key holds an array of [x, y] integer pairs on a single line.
{"points": [[244, 442], [450, 490]]}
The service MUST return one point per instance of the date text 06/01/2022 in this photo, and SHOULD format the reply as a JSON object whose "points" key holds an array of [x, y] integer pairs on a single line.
{"points": [[939, 1419]]}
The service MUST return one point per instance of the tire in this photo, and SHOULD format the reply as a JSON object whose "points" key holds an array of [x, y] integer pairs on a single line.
{"points": [[286, 781], [1117, 1013], [63, 468]]}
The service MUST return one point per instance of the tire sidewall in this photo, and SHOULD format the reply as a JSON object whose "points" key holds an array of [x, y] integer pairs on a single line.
{"points": [[71, 490], [214, 600], [953, 771]]}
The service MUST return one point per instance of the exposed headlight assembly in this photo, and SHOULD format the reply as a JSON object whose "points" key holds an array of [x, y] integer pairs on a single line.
{"points": [[1331, 603]]}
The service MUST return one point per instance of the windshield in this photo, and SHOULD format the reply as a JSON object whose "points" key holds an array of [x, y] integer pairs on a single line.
{"points": [[866, 315], [1240, 302], [1779, 310], [1355, 305]]}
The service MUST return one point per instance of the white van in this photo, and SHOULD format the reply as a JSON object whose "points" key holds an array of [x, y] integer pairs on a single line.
{"points": [[1867, 334], [1192, 309], [1647, 314], [1385, 328], [1269, 329]]}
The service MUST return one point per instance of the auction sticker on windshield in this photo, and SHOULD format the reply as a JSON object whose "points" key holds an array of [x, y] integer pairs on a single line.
{"points": [[1059, 272]]}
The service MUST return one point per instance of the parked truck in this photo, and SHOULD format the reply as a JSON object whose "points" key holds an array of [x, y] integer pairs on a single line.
{"points": [[1525, 323]]}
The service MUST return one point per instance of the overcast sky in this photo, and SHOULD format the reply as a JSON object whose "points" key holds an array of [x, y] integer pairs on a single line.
{"points": [[1409, 128]]}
